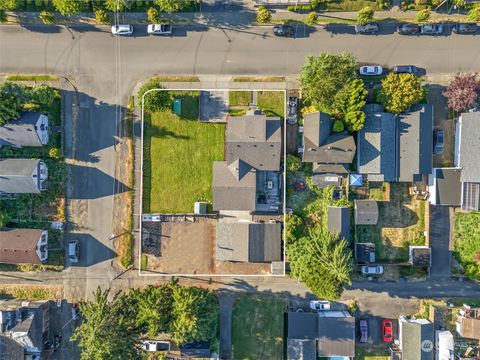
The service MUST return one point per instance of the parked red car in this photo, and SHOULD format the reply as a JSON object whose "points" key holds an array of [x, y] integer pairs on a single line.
{"points": [[387, 330]]}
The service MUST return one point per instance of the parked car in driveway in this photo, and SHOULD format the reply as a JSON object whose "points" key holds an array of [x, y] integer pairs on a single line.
{"points": [[438, 141], [154, 345], [405, 69], [372, 269], [431, 29], [284, 30], [408, 29], [74, 251], [370, 70], [465, 28], [363, 331], [366, 29], [320, 305], [387, 330], [159, 29], [122, 30]]}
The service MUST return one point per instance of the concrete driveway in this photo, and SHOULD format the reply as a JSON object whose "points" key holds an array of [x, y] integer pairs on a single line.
{"points": [[440, 218]]}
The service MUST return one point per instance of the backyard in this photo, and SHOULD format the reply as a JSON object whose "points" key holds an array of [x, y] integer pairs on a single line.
{"points": [[258, 327], [466, 237], [401, 223], [269, 102], [179, 152]]}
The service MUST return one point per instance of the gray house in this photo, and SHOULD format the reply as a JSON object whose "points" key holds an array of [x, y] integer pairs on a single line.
{"points": [[31, 129], [23, 246], [445, 186], [330, 153], [396, 148], [18, 176], [416, 339]]}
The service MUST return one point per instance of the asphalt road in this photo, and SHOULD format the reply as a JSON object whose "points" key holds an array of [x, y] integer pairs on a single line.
{"points": [[104, 70]]}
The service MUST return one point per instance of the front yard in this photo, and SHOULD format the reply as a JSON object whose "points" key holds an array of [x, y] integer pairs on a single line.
{"points": [[466, 242], [179, 152], [258, 327]]}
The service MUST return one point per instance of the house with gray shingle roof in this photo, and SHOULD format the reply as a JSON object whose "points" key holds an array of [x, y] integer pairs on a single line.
{"points": [[416, 339], [19, 176], [396, 148], [339, 221], [31, 129]]}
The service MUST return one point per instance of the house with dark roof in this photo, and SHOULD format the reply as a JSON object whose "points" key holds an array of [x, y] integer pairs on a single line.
{"points": [[396, 148], [468, 322], [330, 153], [248, 242], [416, 339], [419, 256], [364, 253], [249, 178], [467, 148], [23, 246], [196, 350], [445, 187], [31, 129], [339, 221], [20, 176], [331, 333], [366, 212]]}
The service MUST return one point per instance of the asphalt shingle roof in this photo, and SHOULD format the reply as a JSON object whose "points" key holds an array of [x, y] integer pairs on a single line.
{"points": [[339, 221], [16, 176], [417, 341], [21, 132], [366, 212], [336, 336], [18, 246], [448, 186], [469, 147]]}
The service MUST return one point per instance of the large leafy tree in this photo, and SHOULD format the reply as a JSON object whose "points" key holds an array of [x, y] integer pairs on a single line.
{"points": [[12, 100], [463, 91], [322, 262], [109, 330], [67, 7], [9, 4], [114, 5], [323, 76], [400, 91], [171, 6], [474, 13], [349, 103], [154, 100], [44, 96], [365, 15]]}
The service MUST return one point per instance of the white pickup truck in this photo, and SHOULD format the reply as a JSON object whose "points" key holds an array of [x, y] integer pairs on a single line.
{"points": [[159, 29]]}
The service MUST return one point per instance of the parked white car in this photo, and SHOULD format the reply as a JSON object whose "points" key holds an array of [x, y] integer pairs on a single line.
{"points": [[371, 70], [122, 30], [159, 29], [372, 270], [320, 305], [155, 345]]}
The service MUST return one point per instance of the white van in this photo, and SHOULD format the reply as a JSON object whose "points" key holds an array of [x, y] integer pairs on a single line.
{"points": [[122, 30], [74, 251]]}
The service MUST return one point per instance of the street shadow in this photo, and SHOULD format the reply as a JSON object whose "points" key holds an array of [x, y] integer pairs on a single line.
{"points": [[43, 29], [91, 251], [183, 30], [340, 29], [229, 15], [93, 183], [83, 28]]}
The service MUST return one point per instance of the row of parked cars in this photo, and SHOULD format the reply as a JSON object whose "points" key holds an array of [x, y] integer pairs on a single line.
{"points": [[414, 29], [374, 70], [152, 29], [387, 330]]}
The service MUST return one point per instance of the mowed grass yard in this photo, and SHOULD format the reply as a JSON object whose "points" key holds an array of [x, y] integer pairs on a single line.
{"points": [[258, 327], [466, 242], [178, 158]]}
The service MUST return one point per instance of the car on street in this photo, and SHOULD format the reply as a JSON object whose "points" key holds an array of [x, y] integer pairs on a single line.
{"points": [[465, 28], [155, 345], [367, 29], [363, 331], [74, 251], [320, 305], [387, 330], [438, 141], [284, 30], [370, 70], [372, 269], [405, 69], [408, 29], [292, 109], [431, 29], [122, 30], [159, 29]]}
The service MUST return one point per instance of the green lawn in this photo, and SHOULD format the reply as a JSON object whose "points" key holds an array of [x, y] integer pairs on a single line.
{"points": [[258, 327], [178, 158], [466, 237], [272, 103], [239, 98]]}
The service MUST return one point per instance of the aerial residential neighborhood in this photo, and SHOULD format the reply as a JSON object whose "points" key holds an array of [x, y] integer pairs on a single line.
{"points": [[239, 179]]}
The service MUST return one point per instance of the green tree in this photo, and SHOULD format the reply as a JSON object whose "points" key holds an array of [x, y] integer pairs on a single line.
{"points": [[323, 76], [3, 219], [423, 15], [338, 126], [474, 13], [102, 17], [67, 7], [47, 17], [400, 91], [293, 163], [322, 262], [195, 314], [170, 6], [153, 15], [294, 228], [108, 330], [9, 5], [13, 97], [365, 15], [154, 100], [349, 103], [311, 18], [43, 96], [116, 5], [263, 15]]}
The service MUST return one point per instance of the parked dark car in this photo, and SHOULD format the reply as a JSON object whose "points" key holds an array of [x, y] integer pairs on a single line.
{"points": [[408, 29], [284, 30], [431, 29], [438, 141], [292, 110], [366, 29], [363, 331], [464, 28], [405, 69]]}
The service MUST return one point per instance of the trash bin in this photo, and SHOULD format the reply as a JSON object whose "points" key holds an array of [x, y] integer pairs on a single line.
{"points": [[177, 106]]}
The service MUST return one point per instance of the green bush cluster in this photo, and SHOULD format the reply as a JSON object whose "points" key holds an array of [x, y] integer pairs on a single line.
{"points": [[102, 17], [311, 18], [263, 15], [423, 15]]}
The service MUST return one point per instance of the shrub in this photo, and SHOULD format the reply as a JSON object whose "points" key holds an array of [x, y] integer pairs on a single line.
{"points": [[314, 4], [311, 18], [153, 16], [102, 17], [154, 100], [54, 153], [474, 13], [38, 3], [338, 126], [263, 16], [365, 15], [3, 16], [421, 2], [9, 5], [423, 15], [47, 17]]}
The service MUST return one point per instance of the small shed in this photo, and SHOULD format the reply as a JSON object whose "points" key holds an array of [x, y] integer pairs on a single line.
{"points": [[366, 212], [365, 253], [419, 256], [356, 180], [200, 208]]}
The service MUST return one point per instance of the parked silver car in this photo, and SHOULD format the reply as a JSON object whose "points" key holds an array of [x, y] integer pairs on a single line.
{"points": [[366, 29], [431, 29], [372, 269]]}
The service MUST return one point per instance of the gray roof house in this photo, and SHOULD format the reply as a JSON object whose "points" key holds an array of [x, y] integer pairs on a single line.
{"points": [[445, 186], [366, 212], [467, 148], [396, 148], [416, 339], [249, 242], [23, 246], [31, 129], [253, 150], [19, 176], [339, 221]]}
